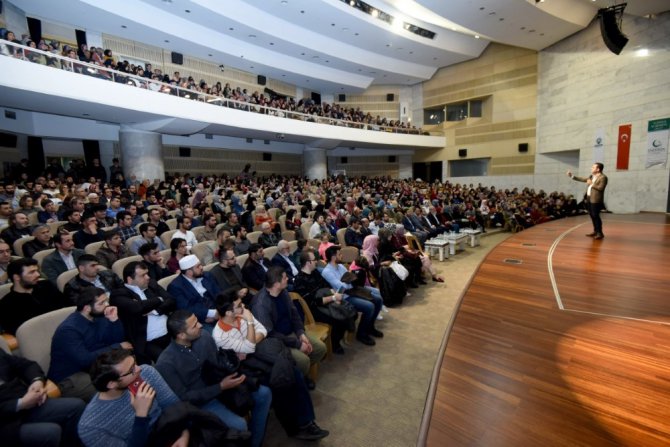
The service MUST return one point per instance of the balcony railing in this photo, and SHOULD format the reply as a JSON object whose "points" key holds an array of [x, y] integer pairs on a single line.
{"points": [[34, 55]]}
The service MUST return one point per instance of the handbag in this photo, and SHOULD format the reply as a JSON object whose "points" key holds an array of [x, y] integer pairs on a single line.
{"points": [[400, 270], [239, 399], [343, 311]]}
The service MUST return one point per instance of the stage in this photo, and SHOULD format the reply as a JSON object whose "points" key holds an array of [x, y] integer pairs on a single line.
{"points": [[561, 340]]}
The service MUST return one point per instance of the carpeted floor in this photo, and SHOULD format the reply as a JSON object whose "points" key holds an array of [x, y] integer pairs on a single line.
{"points": [[375, 396]]}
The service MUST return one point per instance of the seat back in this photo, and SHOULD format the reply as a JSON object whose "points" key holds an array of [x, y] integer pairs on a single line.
{"points": [[304, 228], [253, 236], [413, 243], [53, 226], [288, 235], [340, 237], [165, 282], [119, 265], [18, 244], [210, 266], [309, 318], [34, 336], [313, 244], [241, 259], [167, 237], [282, 222], [270, 252], [205, 251], [197, 231], [40, 255], [65, 278], [131, 240], [171, 223], [165, 254], [93, 247], [349, 254], [293, 246], [5, 289]]}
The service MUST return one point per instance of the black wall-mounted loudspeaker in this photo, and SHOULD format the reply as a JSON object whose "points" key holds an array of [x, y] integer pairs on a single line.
{"points": [[523, 147], [391, 158], [262, 80], [462, 152], [390, 97], [250, 140], [342, 97], [609, 28], [184, 151], [344, 160], [177, 58], [267, 156], [8, 139]]}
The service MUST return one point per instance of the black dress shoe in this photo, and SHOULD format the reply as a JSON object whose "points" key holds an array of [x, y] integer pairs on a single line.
{"points": [[366, 340], [599, 236], [376, 333], [590, 234], [311, 432]]}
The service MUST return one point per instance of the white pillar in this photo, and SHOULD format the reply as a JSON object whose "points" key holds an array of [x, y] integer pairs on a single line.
{"points": [[141, 154], [405, 166], [315, 163]]}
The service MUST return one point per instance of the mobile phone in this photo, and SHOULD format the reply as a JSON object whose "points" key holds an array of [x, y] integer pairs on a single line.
{"points": [[133, 387]]}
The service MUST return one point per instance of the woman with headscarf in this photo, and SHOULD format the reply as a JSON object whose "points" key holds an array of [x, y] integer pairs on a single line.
{"points": [[426, 264]]}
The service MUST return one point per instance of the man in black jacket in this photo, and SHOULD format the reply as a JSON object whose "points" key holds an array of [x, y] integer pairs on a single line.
{"points": [[27, 416], [228, 274], [143, 308], [90, 275]]}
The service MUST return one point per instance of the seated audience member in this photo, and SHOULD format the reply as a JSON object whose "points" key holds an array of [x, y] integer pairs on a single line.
{"points": [[17, 229], [209, 233], [353, 236], [184, 232], [238, 330], [99, 211], [228, 274], [182, 363], [5, 210], [242, 244], [5, 258], [90, 233], [42, 241], [233, 220], [136, 217], [117, 416], [255, 267], [114, 208], [154, 261], [263, 217], [73, 218], [155, 219], [148, 233], [64, 258], [178, 250], [112, 249], [195, 291], [29, 418], [89, 331], [318, 227], [308, 283], [413, 227], [48, 214], [28, 297], [267, 237], [370, 309], [90, 275], [273, 307], [143, 308], [326, 241], [283, 260], [126, 227]]}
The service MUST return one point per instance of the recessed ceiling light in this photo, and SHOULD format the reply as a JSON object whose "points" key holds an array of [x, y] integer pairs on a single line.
{"points": [[272, 43], [302, 11], [187, 11], [209, 55], [252, 36], [476, 36], [124, 26], [284, 3], [166, 41], [231, 29]]}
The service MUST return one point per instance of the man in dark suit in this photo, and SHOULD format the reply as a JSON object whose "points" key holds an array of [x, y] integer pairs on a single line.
{"points": [[283, 260], [195, 291], [64, 258], [91, 275], [255, 268], [29, 418], [143, 309], [595, 196], [228, 274]]}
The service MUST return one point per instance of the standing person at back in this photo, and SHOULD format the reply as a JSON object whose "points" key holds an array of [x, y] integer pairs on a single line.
{"points": [[595, 196]]}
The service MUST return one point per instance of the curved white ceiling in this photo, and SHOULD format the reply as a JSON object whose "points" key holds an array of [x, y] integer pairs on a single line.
{"points": [[326, 45]]}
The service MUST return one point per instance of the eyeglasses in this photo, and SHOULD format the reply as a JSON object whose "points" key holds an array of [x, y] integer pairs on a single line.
{"points": [[131, 371]]}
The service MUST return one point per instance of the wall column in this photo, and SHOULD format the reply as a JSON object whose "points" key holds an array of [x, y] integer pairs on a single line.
{"points": [[141, 154], [315, 163], [405, 166]]}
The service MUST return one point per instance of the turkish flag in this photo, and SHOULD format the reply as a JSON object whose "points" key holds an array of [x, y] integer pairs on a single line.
{"points": [[623, 146]]}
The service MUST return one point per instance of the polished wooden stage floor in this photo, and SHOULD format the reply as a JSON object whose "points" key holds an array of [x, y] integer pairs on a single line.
{"points": [[569, 347]]}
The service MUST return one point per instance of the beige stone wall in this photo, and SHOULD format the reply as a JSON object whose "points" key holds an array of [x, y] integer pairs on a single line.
{"points": [[373, 100], [505, 78]]}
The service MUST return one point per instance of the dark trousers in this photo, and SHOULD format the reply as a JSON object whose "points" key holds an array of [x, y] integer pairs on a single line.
{"points": [[594, 212], [53, 424]]}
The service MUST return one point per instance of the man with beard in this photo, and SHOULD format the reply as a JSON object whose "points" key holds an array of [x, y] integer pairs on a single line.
{"points": [[42, 241], [29, 296], [73, 218], [196, 292], [19, 228], [5, 257], [155, 263], [228, 274], [242, 244], [89, 331]]}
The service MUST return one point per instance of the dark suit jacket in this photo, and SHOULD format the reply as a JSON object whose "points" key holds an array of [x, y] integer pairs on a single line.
{"points": [[17, 308], [53, 264], [15, 372], [108, 278], [254, 273], [133, 313], [281, 262], [188, 298], [222, 279], [598, 188]]}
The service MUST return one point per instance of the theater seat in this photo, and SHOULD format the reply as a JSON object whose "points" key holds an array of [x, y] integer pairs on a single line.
{"points": [[317, 329]]}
